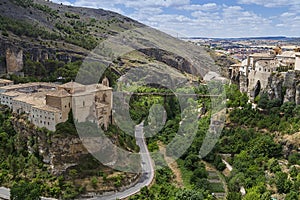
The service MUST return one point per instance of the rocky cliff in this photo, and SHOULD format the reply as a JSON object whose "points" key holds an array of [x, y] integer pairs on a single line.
{"points": [[39, 30], [60, 152], [14, 54], [284, 86]]}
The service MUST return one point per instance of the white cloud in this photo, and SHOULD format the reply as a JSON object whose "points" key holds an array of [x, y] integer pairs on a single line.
{"points": [[154, 3], [203, 7], [210, 19], [228, 21], [144, 13], [290, 21], [287, 14], [128, 3], [271, 3]]}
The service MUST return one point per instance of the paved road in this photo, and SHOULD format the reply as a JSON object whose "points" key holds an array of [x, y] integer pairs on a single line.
{"points": [[228, 166], [4, 193], [147, 167]]}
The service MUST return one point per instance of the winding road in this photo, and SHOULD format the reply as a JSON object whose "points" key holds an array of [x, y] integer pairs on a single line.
{"points": [[147, 170]]}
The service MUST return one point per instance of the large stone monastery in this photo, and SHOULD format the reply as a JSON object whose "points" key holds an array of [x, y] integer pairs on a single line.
{"points": [[48, 104]]}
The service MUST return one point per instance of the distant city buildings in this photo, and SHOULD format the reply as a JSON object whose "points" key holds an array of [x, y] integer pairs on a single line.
{"points": [[48, 104]]}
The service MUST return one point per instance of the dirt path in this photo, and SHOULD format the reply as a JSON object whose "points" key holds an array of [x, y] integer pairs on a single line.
{"points": [[172, 165], [210, 168]]}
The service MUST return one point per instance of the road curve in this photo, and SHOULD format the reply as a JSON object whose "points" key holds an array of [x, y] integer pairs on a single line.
{"points": [[147, 170]]}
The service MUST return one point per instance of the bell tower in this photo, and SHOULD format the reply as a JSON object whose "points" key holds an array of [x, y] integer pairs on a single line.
{"points": [[105, 82]]}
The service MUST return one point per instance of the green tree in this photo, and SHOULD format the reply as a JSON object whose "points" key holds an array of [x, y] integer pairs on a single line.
{"points": [[25, 191], [189, 195], [281, 182], [94, 182], [292, 196]]}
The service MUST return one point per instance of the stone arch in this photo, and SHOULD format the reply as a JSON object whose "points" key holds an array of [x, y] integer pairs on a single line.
{"points": [[257, 88]]}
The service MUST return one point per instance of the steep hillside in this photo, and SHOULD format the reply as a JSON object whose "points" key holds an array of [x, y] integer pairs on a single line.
{"points": [[39, 31]]}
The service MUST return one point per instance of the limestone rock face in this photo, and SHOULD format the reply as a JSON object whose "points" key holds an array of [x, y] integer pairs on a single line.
{"points": [[60, 152], [14, 60], [243, 83], [297, 98], [170, 59], [284, 86], [289, 83], [13, 54], [274, 88]]}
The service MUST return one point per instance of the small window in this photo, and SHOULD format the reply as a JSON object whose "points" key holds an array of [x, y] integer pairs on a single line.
{"points": [[83, 103]]}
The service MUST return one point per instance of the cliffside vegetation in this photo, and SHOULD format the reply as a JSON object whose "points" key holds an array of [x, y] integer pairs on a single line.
{"points": [[262, 163], [23, 169]]}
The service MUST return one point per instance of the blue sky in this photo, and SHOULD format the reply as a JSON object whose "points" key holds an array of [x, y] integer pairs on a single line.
{"points": [[208, 18]]}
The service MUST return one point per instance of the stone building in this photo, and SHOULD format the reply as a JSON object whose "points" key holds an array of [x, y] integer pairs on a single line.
{"points": [[47, 104], [7, 98], [297, 62], [256, 70]]}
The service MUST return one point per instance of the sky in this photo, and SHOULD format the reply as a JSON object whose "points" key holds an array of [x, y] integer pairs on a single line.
{"points": [[208, 18]]}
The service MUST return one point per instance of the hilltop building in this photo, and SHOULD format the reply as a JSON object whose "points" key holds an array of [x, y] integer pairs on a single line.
{"points": [[48, 104], [255, 71]]}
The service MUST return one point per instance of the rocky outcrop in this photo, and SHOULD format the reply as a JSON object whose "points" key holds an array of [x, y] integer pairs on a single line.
{"points": [[284, 86], [243, 83], [297, 97], [60, 152], [274, 88], [170, 59], [14, 54], [14, 60], [290, 143]]}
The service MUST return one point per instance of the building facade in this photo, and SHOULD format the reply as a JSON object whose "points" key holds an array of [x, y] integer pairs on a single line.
{"points": [[256, 70], [48, 104]]}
